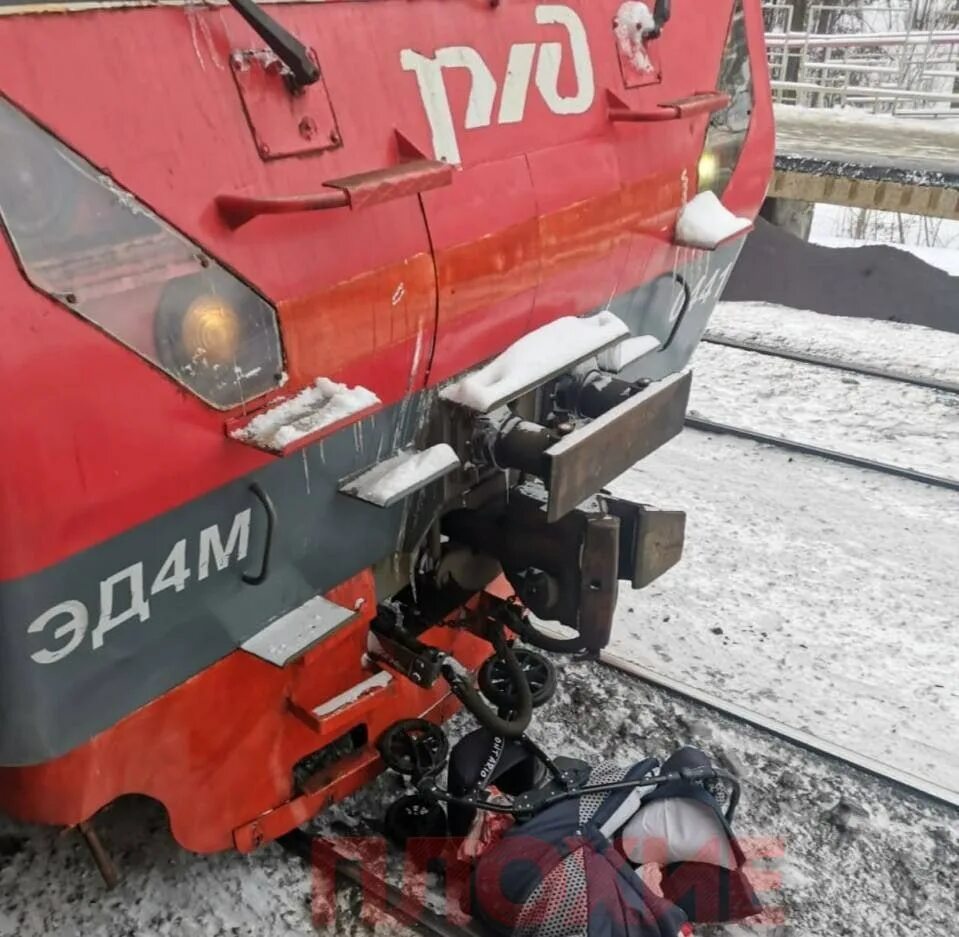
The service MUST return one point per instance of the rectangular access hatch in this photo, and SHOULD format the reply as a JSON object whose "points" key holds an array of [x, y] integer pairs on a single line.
{"points": [[283, 123]]}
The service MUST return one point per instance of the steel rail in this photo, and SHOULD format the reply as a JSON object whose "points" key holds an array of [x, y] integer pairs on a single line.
{"points": [[388, 898], [949, 387], [898, 777], [724, 429]]}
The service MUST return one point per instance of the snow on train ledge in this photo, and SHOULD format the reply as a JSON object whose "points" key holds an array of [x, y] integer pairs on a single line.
{"points": [[401, 475], [533, 359], [298, 420], [706, 223]]}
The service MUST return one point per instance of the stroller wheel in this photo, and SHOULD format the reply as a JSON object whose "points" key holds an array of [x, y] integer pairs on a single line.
{"points": [[414, 817], [415, 747], [497, 684]]}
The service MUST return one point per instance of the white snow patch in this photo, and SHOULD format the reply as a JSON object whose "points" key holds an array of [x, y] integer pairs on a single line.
{"points": [[312, 409], [534, 358], [403, 474], [632, 24], [627, 352], [705, 222], [813, 118], [818, 594]]}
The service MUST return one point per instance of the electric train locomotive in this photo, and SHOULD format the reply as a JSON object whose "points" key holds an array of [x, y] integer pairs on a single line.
{"points": [[326, 324]]}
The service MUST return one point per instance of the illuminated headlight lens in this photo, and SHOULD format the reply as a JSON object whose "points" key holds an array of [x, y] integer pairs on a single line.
{"points": [[708, 170], [96, 249], [210, 330], [727, 128]]}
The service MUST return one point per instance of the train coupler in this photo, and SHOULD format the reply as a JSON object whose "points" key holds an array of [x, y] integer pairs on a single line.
{"points": [[568, 571]]}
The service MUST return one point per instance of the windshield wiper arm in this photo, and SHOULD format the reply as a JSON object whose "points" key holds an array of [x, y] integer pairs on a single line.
{"points": [[284, 45], [661, 13]]}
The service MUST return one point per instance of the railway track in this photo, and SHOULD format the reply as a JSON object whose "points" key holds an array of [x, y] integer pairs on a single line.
{"points": [[724, 429], [950, 387], [904, 780], [385, 896]]}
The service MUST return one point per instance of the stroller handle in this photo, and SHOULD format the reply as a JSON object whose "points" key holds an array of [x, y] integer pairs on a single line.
{"points": [[462, 687], [522, 807]]}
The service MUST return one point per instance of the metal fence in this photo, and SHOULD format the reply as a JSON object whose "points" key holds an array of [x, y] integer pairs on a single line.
{"points": [[887, 57]]}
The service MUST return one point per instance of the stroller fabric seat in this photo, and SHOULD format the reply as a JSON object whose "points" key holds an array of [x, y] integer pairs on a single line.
{"points": [[559, 874], [572, 870]]}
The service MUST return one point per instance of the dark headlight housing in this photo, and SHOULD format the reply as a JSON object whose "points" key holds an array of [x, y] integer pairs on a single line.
{"points": [[96, 249]]}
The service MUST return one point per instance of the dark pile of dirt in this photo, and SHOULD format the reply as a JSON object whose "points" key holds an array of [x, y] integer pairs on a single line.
{"points": [[875, 282]]}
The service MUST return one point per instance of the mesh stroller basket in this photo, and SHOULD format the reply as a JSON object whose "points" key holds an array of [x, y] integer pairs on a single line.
{"points": [[559, 874]]}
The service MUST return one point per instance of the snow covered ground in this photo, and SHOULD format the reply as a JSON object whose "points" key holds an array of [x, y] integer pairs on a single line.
{"points": [[822, 595], [910, 349], [908, 426]]}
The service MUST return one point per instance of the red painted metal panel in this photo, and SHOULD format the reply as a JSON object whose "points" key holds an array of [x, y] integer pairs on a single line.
{"points": [[185, 139], [555, 210], [488, 262], [658, 159], [581, 226]]}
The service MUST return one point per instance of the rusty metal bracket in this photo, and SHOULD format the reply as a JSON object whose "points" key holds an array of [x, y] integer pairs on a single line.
{"points": [[359, 191], [101, 857]]}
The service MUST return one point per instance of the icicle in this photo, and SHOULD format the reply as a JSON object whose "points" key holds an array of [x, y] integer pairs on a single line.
{"points": [[306, 471]]}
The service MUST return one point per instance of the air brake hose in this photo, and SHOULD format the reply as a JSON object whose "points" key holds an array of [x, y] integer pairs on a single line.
{"points": [[462, 687]]}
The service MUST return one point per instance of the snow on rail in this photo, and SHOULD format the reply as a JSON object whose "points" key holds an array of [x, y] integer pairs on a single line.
{"points": [[922, 150], [534, 358], [312, 409]]}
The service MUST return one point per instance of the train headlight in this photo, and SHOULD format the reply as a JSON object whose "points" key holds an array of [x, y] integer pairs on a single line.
{"points": [[96, 249], [708, 170], [727, 129], [210, 330]]}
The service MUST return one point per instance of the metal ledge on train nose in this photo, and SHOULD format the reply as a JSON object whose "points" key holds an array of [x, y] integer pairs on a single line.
{"points": [[293, 634], [542, 354], [405, 473], [586, 460]]}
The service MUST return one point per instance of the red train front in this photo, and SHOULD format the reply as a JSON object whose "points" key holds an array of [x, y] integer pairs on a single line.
{"points": [[320, 340]]}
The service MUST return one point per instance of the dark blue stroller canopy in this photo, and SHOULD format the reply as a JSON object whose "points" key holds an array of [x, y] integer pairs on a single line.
{"points": [[573, 869]]}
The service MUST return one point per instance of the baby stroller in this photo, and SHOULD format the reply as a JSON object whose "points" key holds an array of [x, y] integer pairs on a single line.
{"points": [[578, 841]]}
